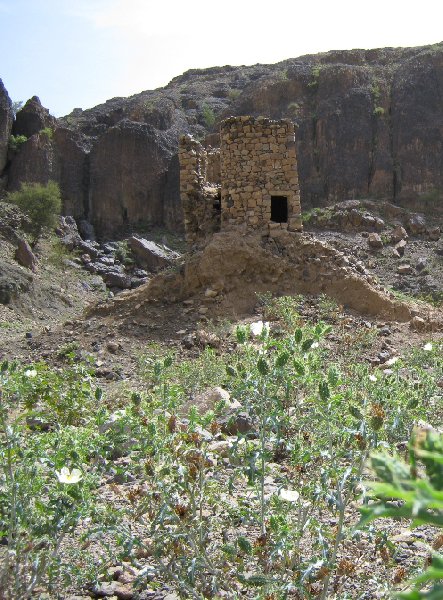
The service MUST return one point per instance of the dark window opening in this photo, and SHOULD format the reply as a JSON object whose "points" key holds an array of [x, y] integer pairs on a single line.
{"points": [[279, 209]]}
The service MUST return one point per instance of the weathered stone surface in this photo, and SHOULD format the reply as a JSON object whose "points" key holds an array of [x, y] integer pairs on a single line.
{"points": [[25, 256], [150, 255], [32, 118], [398, 233], [68, 233], [416, 223], [375, 241], [117, 280], [6, 119], [400, 247], [71, 170], [128, 170], [417, 323], [34, 163], [434, 233], [235, 422], [404, 269], [207, 400], [13, 282], [369, 122]]}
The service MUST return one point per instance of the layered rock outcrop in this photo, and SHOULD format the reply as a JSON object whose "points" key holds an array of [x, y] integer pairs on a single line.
{"points": [[370, 124], [129, 166], [6, 119], [32, 118]]}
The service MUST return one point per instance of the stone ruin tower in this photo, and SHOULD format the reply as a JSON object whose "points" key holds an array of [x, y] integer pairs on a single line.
{"points": [[249, 184]]}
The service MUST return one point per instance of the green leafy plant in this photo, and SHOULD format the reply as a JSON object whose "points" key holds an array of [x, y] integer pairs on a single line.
{"points": [[294, 108], [208, 116], [45, 489], [419, 487], [315, 76], [41, 203], [16, 142], [234, 93], [16, 106], [47, 132]]}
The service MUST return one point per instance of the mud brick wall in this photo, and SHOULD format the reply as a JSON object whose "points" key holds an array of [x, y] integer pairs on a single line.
{"points": [[200, 198], [258, 170]]}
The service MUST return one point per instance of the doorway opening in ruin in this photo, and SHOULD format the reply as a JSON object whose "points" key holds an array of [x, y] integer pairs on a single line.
{"points": [[279, 209]]}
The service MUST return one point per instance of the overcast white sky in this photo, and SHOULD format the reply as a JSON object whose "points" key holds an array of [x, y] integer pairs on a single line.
{"points": [[79, 53]]}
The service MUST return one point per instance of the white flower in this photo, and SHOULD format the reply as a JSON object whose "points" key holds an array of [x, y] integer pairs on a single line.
{"points": [[259, 327], [391, 361], [427, 347], [315, 345], [31, 373], [388, 372], [372, 378], [67, 476], [289, 495]]}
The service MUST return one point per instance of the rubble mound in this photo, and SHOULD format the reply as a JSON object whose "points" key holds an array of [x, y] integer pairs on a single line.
{"points": [[225, 277]]}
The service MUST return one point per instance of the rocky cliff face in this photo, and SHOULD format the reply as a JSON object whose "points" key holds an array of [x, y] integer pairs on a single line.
{"points": [[32, 118], [6, 119], [370, 124]]}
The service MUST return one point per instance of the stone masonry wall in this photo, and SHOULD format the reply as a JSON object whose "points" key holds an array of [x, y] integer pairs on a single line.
{"points": [[258, 161], [200, 198]]}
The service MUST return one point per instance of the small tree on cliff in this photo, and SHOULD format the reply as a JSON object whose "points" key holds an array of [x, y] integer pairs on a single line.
{"points": [[41, 203]]}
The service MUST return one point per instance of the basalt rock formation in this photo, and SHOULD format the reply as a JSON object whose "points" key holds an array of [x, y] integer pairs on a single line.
{"points": [[369, 124], [32, 118], [6, 119]]}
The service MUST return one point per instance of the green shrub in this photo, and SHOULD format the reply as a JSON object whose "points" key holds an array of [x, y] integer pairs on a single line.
{"points": [[315, 75], [208, 116], [41, 203], [16, 141], [294, 107], [234, 93], [48, 132], [46, 482], [421, 500], [379, 111]]}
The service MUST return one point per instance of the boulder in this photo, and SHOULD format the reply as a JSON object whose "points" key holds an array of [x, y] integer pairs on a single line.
{"points": [[150, 255], [417, 323], [379, 224], [398, 233], [86, 230], [6, 119], [433, 233], [375, 241], [68, 233], [421, 263], [404, 269], [416, 223], [207, 400], [400, 247], [235, 422], [32, 118], [117, 279], [25, 256]]}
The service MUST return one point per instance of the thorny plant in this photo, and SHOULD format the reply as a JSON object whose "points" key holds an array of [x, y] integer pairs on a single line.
{"points": [[43, 493], [218, 512], [419, 488], [217, 507]]}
